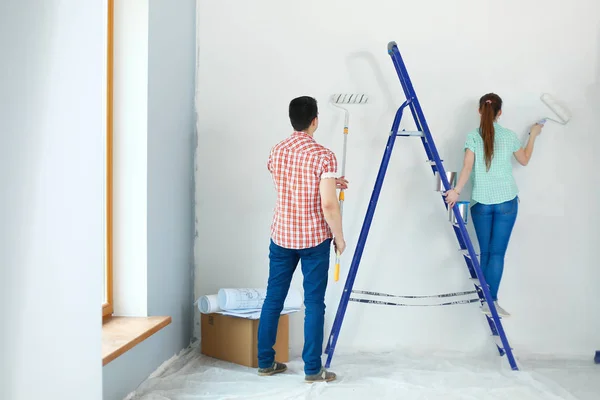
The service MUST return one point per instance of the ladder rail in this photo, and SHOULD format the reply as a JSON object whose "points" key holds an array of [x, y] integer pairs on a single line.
{"points": [[405, 81], [344, 300], [416, 110], [410, 94]]}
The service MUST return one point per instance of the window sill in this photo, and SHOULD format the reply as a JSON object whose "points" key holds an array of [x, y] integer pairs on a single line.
{"points": [[121, 334], [107, 310]]}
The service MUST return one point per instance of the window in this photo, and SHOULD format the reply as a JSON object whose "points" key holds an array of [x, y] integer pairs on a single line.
{"points": [[124, 267], [107, 303]]}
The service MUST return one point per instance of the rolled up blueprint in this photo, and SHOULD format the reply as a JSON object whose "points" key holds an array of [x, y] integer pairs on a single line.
{"points": [[253, 299], [209, 304]]}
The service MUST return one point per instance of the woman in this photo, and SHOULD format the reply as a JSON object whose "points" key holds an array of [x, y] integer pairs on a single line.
{"points": [[488, 152]]}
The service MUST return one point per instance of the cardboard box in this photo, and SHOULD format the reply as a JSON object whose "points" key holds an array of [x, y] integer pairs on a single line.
{"points": [[235, 339]]}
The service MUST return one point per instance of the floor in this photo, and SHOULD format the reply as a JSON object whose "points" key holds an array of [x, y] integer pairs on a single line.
{"points": [[192, 376]]}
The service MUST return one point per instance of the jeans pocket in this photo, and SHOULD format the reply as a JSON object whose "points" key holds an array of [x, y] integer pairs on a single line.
{"points": [[510, 207], [322, 248], [482, 209]]}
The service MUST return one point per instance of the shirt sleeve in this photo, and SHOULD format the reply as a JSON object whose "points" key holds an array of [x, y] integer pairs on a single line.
{"points": [[516, 143], [328, 166], [470, 143], [269, 161]]}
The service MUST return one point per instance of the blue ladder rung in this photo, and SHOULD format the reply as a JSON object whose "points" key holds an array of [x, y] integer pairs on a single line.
{"points": [[492, 325], [465, 252], [469, 263], [476, 281], [491, 318], [410, 133], [498, 342]]}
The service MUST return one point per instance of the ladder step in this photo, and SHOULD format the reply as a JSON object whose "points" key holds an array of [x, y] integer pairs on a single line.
{"points": [[465, 253], [490, 317], [432, 162], [498, 342], [410, 133], [476, 282]]}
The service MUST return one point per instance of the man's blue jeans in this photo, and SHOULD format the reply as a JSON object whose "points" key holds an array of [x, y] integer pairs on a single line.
{"points": [[315, 268], [493, 225]]}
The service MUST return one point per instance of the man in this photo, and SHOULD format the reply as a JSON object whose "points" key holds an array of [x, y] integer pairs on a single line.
{"points": [[307, 217]]}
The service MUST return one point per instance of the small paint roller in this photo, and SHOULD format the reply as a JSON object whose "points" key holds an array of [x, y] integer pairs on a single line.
{"points": [[558, 109], [336, 100]]}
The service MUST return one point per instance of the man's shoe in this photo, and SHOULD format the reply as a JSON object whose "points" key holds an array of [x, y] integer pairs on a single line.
{"points": [[322, 376], [276, 368]]}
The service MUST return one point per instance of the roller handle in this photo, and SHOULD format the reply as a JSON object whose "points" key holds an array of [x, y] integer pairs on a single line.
{"points": [[336, 271]]}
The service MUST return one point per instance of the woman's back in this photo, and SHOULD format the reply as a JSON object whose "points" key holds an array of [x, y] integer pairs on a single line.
{"points": [[488, 162], [497, 184]]}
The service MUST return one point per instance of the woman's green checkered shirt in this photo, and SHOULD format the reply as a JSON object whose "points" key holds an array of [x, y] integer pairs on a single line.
{"points": [[498, 184]]}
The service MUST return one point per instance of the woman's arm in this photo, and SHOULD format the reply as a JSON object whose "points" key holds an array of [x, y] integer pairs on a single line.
{"points": [[468, 162], [452, 194], [523, 155]]}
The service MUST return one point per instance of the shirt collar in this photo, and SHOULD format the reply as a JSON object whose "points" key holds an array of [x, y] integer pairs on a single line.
{"points": [[298, 133]]}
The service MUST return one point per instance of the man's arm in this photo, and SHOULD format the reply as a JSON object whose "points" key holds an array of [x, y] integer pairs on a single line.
{"points": [[331, 207], [329, 200]]}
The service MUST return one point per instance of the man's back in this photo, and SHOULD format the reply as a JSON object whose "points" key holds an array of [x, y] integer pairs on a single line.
{"points": [[297, 165], [307, 215]]}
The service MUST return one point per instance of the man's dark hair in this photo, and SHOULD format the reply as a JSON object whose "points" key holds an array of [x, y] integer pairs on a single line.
{"points": [[302, 112]]}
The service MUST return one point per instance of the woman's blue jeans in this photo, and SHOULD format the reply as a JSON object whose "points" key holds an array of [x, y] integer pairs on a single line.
{"points": [[493, 225], [315, 268]]}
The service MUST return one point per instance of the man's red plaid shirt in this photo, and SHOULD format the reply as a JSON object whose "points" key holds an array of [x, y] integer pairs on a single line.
{"points": [[297, 165]]}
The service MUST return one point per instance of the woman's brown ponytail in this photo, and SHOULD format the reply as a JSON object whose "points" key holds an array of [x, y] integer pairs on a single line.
{"points": [[489, 107]]}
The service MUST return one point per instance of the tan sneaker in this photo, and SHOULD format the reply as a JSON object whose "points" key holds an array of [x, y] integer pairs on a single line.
{"points": [[501, 311], [276, 368], [485, 308], [323, 376]]}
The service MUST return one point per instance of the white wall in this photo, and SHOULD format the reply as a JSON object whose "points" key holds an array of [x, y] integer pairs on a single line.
{"points": [[51, 204], [254, 58], [169, 195]]}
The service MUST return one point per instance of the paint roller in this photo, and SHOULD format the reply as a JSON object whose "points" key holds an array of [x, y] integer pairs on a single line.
{"points": [[337, 100], [558, 109]]}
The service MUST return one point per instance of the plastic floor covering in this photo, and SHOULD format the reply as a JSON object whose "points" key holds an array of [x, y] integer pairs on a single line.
{"points": [[397, 375]]}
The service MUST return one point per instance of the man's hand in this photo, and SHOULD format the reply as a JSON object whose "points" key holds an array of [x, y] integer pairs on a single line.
{"points": [[341, 183], [340, 245]]}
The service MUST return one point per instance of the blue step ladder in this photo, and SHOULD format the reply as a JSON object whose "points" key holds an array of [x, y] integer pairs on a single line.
{"points": [[466, 246]]}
